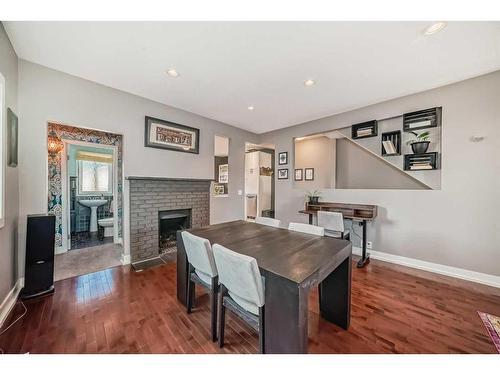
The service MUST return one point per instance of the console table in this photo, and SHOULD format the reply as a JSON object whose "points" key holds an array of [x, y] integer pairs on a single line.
{"points": [[361, 213]]}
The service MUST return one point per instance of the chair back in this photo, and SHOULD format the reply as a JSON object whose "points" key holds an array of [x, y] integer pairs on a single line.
{"points": [[239, 274], [307, 228], [199, 253], [332, 221], [268, 221]]}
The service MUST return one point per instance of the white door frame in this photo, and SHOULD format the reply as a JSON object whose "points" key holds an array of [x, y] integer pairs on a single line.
{"points": [[65, 192]]}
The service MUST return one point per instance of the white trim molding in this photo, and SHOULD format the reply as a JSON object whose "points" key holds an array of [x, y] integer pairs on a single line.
{"points": [[459, 273], [125, 259], [10, 300]]}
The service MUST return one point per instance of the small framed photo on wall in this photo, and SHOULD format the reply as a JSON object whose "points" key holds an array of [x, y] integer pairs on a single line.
{"points": [[282, 158], [298, 175], [309, 174], [282, 174]]}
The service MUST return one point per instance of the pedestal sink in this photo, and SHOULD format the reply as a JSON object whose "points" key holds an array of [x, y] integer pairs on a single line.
{"points": [[93, 204]]}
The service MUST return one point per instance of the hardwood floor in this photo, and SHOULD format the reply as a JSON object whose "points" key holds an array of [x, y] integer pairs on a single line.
{"points": [[394, 310]]}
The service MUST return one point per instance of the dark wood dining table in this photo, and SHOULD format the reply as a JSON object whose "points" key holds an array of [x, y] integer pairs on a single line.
{"points": [[292, 263]]}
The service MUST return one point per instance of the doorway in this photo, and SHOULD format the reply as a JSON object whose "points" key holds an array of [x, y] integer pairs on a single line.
{"points": [[85, 194], [259, 181]]}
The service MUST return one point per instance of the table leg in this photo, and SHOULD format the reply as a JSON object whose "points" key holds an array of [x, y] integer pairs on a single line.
{"points": [[335, 295], [310, 219], [285, 324], [365, 258], [182, 270]]}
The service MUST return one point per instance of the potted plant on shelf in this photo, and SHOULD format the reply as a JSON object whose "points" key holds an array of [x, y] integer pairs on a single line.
{"points": [[420, 143], [313, 196]]}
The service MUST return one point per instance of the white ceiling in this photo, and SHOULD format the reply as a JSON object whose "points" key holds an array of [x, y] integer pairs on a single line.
{"points": [[227, 66]]}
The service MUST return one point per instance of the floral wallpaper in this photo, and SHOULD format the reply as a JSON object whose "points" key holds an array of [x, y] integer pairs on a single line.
{"points": [[65, 132]]}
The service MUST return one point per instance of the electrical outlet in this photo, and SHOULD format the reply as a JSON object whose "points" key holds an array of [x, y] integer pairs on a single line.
{"points": [[369, 245]]}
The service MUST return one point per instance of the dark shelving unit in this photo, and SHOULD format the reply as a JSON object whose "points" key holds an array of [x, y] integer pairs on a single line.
{"points": [[370, 127], [416, 162], [395, 138], [426, 118]]}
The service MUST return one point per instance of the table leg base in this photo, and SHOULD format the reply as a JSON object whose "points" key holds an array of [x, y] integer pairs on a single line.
{"points": [[362, 262]]}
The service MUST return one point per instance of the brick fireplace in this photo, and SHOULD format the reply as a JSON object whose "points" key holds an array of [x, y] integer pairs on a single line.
{"points": [[158, 206]]}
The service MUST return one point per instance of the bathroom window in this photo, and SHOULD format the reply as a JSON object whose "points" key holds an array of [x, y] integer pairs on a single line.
{"points": [[94, 177]]}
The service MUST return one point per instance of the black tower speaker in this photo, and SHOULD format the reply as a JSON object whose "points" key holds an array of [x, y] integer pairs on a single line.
{"points": [[39, 266]]}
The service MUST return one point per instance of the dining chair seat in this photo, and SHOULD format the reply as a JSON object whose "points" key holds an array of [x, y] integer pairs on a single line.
{"points": [[307, 228]]}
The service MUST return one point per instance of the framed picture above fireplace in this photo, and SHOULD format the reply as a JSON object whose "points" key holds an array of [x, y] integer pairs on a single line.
{"points": [[171, 136]]}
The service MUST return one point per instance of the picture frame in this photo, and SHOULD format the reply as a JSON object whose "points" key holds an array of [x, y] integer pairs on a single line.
{"points": [[283, 158], [171, 136], [283, 174], [218, 189], [223, 173], [309, 174], [298, 174], [12, 138]]}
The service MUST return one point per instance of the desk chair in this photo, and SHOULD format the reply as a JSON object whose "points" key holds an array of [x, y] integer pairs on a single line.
{"points": [[333, 222], [268, 221], [202, 271], [307, 228], [241, 290]]}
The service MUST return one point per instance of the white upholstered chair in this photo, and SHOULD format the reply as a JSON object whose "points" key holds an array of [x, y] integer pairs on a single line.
{"points": [[307, 228], [333, 222], [268, 221], [202, 271], [241, 290]]}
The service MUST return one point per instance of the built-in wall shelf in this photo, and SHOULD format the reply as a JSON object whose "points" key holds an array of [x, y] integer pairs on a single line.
{"points": [[426, 118], [391, 143], [421, 162], [364, 130]]}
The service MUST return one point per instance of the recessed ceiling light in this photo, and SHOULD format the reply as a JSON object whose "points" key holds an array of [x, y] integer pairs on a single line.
{"points": [[173, 73], [251, 108], [309, 82], [435, 28]]}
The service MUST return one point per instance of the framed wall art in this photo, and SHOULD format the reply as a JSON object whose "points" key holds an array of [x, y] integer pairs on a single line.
{"points": [[282, 158], [282, 174], [298, 175], [12, 138], [171, 136], [309, 174]]}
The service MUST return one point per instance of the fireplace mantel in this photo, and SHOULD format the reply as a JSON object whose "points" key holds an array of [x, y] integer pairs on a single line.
{"points": [[167, 179]]}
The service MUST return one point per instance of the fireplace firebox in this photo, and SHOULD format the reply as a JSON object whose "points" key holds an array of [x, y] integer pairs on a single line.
{"points": [[169, 222]]}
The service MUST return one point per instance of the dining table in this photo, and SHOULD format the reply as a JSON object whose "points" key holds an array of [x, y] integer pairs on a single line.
{"points": [[292, 264]]}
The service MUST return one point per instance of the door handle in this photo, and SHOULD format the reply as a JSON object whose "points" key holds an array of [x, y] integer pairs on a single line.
{"points": [[40, 262]]}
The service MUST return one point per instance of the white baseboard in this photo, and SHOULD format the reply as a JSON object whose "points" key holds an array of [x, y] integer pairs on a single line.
{"points": [[10, 300], [125, 259], [60, 250], [460, 273]]}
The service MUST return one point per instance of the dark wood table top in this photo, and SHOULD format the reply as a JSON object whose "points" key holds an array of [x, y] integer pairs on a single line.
{"points": [[296, 256]]}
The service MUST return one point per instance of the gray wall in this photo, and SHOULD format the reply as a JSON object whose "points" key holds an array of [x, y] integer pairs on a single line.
{"points": [[317, 153], [457, 225], [358, 168], [8, 234], [46, 94]]}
